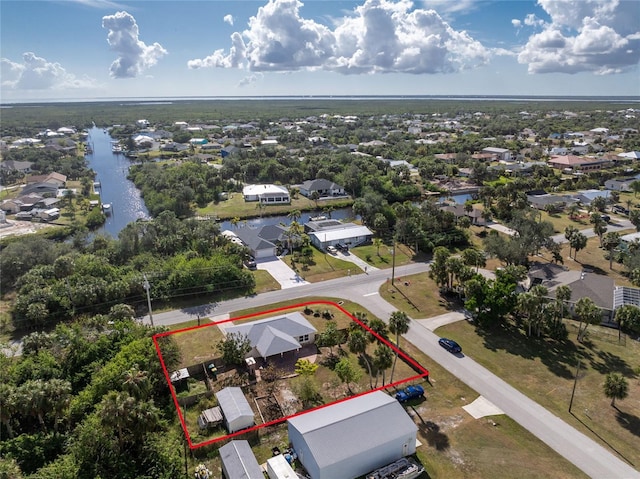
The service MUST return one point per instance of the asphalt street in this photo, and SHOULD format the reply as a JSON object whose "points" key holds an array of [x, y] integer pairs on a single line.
{"points": [[593, 459]]}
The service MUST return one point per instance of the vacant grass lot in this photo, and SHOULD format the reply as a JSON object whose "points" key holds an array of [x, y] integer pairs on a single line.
{"points": [[418, 296], [544, 370], [454, 445]]}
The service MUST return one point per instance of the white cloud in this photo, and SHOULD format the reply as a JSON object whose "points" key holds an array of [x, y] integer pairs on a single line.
{"points": [[248, 80], [532, 21], [599, 36], [134, 56], [99, 3], [378, 36], [36, 73], [446, 7], [516, 23], [228, 19]]}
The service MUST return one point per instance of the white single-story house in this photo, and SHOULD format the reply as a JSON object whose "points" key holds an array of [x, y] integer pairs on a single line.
{"points": [[353, 437], [321, 186], [238, 461], [276, 335], [330, 232], [587, 196], [268, 194], [236, 410], [619, 184]]}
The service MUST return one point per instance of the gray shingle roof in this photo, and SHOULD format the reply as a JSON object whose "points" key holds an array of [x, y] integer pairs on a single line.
{"points": [[274, 335]]}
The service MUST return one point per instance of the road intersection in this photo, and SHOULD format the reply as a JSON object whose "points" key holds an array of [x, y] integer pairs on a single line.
{"points": [[592, 458]]}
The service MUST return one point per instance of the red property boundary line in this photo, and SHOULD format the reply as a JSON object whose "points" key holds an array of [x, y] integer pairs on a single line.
{"points": [[423, 372]]}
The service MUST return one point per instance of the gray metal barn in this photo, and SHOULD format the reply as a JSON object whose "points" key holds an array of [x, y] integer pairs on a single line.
{"points": [[353, 437]]}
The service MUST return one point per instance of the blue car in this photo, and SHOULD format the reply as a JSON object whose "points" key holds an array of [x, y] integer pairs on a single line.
{"points": [[410, 392], [450, 345]]}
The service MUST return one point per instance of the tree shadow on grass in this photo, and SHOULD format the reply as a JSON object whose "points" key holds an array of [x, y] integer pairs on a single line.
{"points": [[629, 421], [435, 438], [611, 362], [560, 357]]}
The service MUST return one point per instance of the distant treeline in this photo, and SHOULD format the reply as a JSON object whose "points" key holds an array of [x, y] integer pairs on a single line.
{"points": [[19, 118]]}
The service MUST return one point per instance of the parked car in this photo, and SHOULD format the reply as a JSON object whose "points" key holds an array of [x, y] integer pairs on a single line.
{"points": [[342, 247], [605, 218], [332, 249], [410, 392], [450, 345], [250, 263]]}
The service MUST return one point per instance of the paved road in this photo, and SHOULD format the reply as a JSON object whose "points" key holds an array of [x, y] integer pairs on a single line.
{"points": [[593, 459], [617, 224]]}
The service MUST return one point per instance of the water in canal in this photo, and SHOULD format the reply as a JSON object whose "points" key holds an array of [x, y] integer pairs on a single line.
{"points": [[115, 189]]}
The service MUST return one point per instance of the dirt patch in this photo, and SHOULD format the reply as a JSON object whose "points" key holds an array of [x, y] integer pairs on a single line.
{"points": [[18, 228]]}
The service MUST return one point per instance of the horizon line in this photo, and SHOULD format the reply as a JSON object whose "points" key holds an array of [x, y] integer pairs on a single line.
{"points": [[449, 97]]}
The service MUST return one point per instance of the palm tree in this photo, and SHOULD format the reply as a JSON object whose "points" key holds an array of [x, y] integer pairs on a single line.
{"points": [[379, 327], [294, 215], [398, 325], [615, 387], [626, 315], [58, 393], [136, 382], [382, 360], [532, 305], [8, 405], [573, 211], [589, 313], [234, 221], [611, 242], [569, 233], [377, 242], [357, 343]]}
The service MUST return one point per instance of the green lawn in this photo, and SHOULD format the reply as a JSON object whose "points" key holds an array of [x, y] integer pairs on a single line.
{"points": [[544, 370], [235, 206], [418, 296], [454, 445]]}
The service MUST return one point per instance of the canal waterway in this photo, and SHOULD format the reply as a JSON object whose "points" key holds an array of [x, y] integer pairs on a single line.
{"points": [[127, 205], [115, 189]]}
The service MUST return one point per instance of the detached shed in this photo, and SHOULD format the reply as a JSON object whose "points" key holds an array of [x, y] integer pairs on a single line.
{"points": [[236, 410], [238, 461], [210, 417], [279, 468], [353, 437]]}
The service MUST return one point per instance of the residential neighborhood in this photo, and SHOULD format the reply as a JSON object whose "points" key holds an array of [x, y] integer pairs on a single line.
{"points": [[293, 273]]}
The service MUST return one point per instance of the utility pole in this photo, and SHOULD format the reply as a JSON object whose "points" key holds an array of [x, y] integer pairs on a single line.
{"points": [[393, 261], [147, 288], [574, 385]]}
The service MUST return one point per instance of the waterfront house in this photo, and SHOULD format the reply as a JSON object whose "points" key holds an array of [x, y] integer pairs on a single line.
{"points": [[266, 194], [324, 188]]}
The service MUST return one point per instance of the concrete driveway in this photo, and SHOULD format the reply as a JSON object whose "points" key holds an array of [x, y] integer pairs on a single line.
{"points": [[282, 273], [352, 258]]}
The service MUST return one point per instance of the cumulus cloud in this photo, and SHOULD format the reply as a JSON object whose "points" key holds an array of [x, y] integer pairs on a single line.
{"points": [[378, 36], [36, 73], [134, 56], [248, 80], [228, 19], [516, 23], [599, 36]]}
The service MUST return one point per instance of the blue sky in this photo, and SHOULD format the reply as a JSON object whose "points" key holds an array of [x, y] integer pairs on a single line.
{"points": [[79, 49]]}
